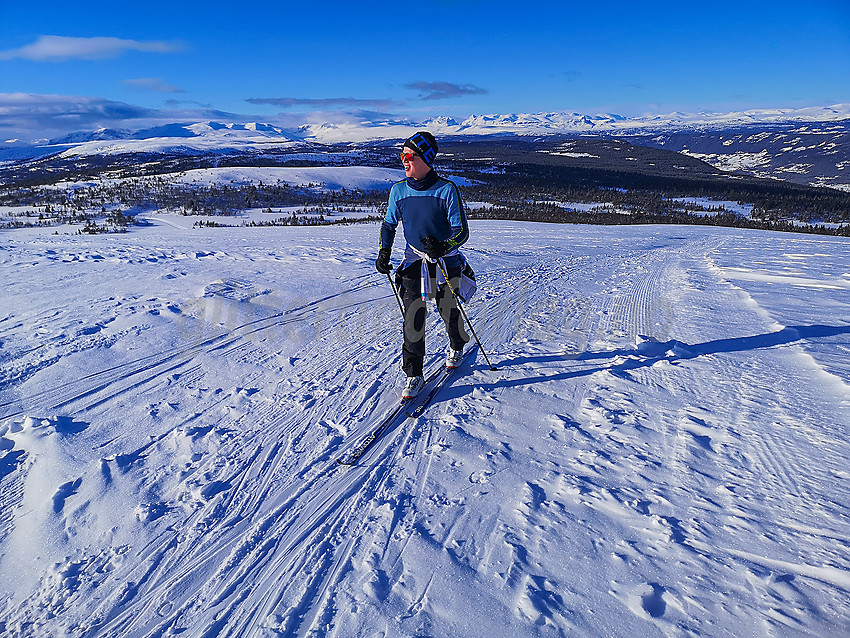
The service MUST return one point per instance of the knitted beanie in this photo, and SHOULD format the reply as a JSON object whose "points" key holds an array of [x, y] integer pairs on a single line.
{"points": [[424, 144]]}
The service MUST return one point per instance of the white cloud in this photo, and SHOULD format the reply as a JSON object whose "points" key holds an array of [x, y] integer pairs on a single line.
{"points": [[49, 48], [153, 84], [28, 116], [31, 117]]}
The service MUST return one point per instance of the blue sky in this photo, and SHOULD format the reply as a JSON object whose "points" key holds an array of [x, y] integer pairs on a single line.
{"points": [[77, 66]]}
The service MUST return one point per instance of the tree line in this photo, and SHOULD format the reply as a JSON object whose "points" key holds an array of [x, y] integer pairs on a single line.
{"points": [[159, 193], [772, 200], [556, 213], [530, 192]]}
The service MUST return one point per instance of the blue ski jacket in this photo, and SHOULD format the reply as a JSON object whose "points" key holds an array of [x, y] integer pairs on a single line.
{"points": [[430, 206]]}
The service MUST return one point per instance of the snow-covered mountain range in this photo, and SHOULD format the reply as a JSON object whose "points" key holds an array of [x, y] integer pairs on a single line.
{"points": [[199, 129], [578, 123], [551, 123], [809, 145], [177, 137]]}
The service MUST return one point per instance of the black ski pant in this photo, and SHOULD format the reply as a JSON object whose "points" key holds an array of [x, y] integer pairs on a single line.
{"points": [[416, 310]]}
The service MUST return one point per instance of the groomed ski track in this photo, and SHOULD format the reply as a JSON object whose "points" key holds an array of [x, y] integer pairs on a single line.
{"points": [[170, 439]]}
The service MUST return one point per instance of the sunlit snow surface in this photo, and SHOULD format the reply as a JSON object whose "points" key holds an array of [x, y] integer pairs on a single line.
{"points": [[662, 451]]}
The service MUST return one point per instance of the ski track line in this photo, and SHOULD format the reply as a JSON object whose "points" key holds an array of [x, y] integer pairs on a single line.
{"points": [[513, 298], [228, 530], [53, 398], [138, 367], [387, 451], [322, 515], [248, 328], [394, 449], [144, 448], [419, 478], [203, 558], [763, 457]]}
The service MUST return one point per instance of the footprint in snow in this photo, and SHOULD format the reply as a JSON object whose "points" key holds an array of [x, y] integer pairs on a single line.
{"points": [[653, 601], [480, 477], [65, 491], [649, 601], [146, 512], [540, 602]]}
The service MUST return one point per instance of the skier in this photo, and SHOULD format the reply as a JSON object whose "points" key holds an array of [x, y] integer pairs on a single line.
{"points": [[435, 226]]}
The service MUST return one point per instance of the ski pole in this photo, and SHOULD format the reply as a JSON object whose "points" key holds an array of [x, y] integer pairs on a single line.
{"points": [[465, 316], [395, 294]]}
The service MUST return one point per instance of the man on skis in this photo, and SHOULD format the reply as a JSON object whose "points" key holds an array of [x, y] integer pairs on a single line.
{"points": [[435, 226]]}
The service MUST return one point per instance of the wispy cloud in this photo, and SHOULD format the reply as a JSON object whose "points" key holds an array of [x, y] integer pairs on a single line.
{"points": [[52, 48], [174, 103], [27, 114], [321, 103], [36, 116], [66, 106], [444, 90], [153, 84]]}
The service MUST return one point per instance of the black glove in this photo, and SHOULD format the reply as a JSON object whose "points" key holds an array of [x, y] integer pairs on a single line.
{"points": [[434, 248], [382, 263]]}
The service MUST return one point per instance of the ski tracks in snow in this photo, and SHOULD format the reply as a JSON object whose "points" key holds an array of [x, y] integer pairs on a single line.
{"points": [[628, 456]]}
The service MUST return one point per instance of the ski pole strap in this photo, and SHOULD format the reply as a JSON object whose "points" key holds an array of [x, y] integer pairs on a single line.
{"points": [[411, 255]]}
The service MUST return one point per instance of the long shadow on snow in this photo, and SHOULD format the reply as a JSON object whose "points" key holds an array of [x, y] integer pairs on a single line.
{"points": [[653, 351]]}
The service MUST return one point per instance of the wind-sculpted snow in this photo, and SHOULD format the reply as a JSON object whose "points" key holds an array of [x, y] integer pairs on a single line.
{"points": [[661, 452]]}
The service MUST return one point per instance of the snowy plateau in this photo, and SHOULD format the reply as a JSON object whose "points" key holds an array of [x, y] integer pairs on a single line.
{"points": [[662, 449]]}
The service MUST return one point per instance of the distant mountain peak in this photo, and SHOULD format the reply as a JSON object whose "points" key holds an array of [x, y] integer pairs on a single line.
{"points": [[212, 135], [91, 136], [442, 120]]}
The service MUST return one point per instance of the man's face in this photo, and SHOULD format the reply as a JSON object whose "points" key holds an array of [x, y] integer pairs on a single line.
{"points": [[414, 166]]}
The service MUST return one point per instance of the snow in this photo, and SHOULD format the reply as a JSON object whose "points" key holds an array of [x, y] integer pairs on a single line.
{"points": [[573, 123], [742, 210], [188, 145], [574, 155], [330, 177], [320, 177], [196, 137], [661, 452], [208, 136], [730, 162]]}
